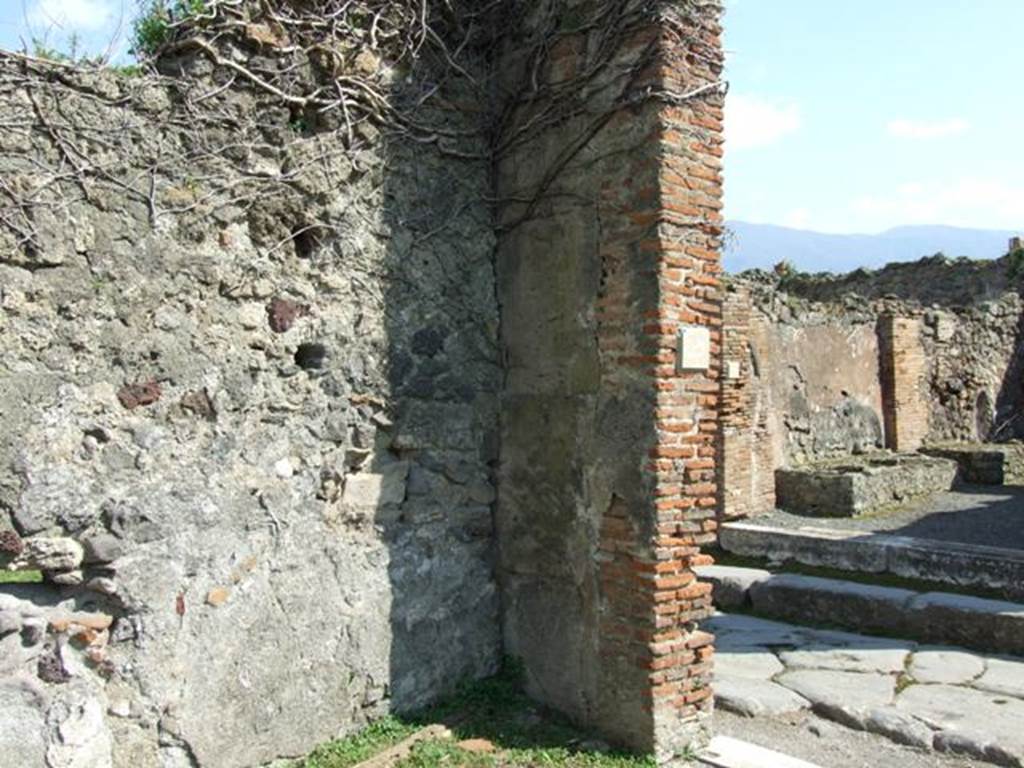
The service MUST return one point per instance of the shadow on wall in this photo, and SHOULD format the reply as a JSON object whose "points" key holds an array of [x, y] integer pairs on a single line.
{"points": [[437, 460]]}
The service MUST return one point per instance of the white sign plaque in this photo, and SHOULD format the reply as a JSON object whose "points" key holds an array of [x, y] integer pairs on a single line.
{"points": [[693, 349]]}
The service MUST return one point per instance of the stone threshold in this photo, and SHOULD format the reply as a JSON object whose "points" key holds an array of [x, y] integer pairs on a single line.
{"points": [[966, 565], [928, 617], [726, 752]]}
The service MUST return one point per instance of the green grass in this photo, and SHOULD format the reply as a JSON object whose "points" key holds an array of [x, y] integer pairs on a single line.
{"points": [[358, 747], [523, 734], [20, 577]]}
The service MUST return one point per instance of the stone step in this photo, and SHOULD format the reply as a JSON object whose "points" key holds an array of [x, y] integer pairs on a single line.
{"points": [[928, 617], [966, 565]]}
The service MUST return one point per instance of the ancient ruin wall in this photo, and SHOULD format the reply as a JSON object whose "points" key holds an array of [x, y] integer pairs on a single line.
{"points": [[913, 354], [609, 247], [263, 416]]}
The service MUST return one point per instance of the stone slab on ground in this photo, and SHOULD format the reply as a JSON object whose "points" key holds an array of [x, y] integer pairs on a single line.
{"points": [[889, 658], [946, 665], [985, 725], [754, 698], [735, 631], [750, 663], [726, 752], [1005, 676], [901, 727], [846, 697]]}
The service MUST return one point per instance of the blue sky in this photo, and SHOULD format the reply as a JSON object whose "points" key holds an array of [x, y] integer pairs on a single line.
{"points": [[101, 26], [842, 116], [859, 116]]}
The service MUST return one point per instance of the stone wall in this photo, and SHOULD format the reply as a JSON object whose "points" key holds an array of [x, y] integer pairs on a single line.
{"points": [[607, 481], [269, 416], [257, 401], [912, 354]]}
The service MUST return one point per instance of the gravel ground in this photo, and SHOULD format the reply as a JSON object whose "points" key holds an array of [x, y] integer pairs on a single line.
{"points": [[828, 745], [989, 515]]}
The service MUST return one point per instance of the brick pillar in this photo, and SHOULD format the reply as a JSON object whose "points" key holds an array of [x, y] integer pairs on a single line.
{"points": [[611, 231], [746, 473], [903, 369]]}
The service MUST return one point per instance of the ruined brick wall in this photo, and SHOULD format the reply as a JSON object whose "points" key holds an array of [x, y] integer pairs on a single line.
{"points": [[602, 519], [915, 353], [746, 473]]}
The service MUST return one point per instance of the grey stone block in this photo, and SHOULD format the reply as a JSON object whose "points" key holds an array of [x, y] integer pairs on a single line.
{"points": [[756, 698], [972, 722], [846, 697], [837, 549], [861, 484], [831, 601], [992, 625], [731, 585], [945, 665], [900, 727]]}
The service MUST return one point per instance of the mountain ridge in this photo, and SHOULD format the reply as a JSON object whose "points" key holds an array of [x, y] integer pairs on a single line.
{"points": [[761, 246]]}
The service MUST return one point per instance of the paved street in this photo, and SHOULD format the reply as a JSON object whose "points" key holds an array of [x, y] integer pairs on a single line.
{"points": [[929, 697]]}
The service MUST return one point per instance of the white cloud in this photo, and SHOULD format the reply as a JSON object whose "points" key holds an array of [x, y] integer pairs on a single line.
{"points": [[74, 15], [928, 129], [966, 202], [752, 122]]}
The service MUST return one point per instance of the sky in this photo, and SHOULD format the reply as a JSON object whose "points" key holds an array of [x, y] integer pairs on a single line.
{"points": [[861, 116], [841, 116], [102, 27]]}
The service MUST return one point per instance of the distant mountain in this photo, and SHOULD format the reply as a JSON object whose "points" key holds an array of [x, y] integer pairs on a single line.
{"points": [[764, 245]]}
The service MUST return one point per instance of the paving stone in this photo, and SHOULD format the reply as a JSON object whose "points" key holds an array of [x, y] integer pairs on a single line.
{"points": [[753, 664], [1004, 676], [885, 660], [731, 585], [984, 725], [958, 743], [945, 665], [736, 631], [756, 698], [901, 727], [846, 697]]}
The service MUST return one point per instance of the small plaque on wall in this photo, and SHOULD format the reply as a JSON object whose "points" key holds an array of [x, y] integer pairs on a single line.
{"points": [[693, 348]]}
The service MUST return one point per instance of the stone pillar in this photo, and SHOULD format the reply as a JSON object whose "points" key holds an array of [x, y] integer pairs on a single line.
{"points": [[610, 177], [903, 368]]}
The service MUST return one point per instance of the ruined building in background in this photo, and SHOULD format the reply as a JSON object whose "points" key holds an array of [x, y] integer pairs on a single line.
{"points": [[333, 372], [823, 369]]}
